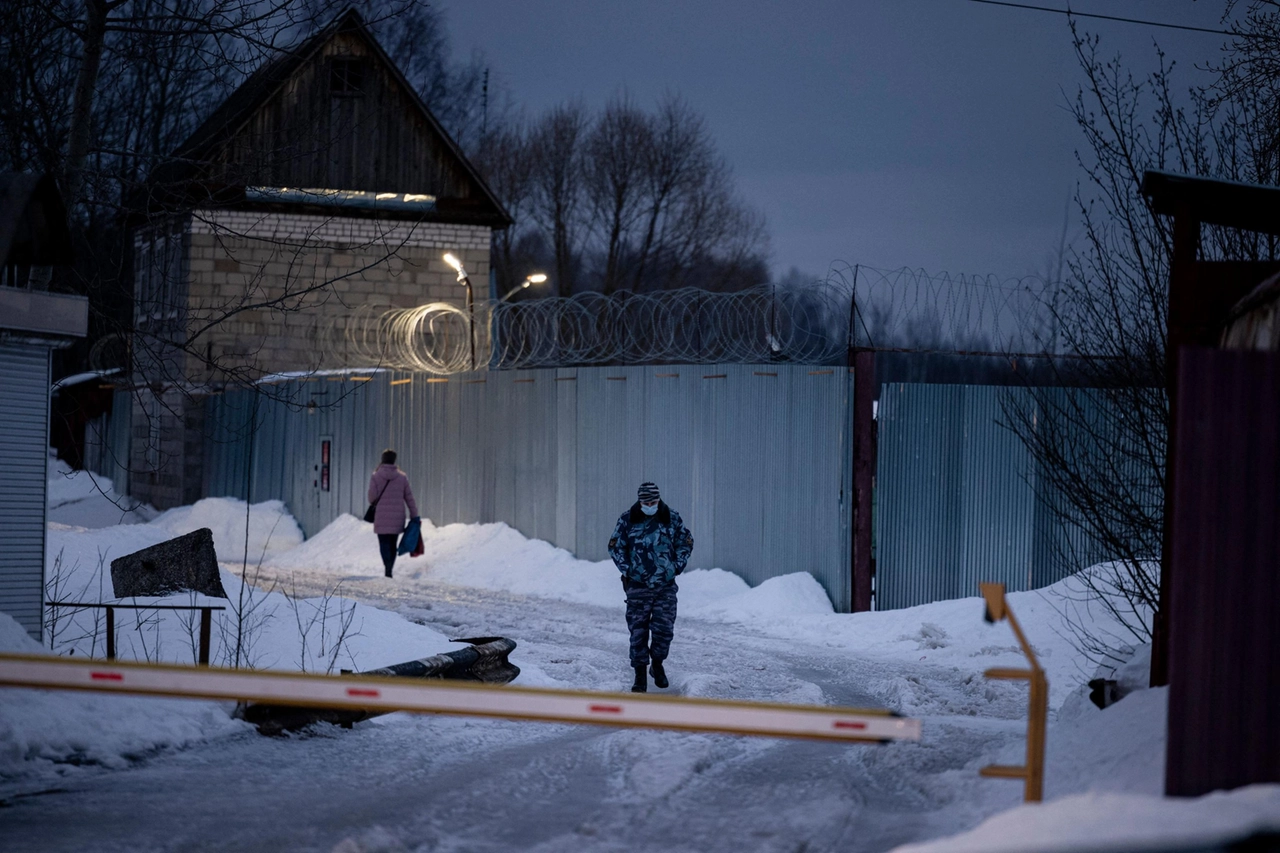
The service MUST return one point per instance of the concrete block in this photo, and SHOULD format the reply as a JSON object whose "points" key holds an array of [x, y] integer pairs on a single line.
{"points": [[185, 563]]}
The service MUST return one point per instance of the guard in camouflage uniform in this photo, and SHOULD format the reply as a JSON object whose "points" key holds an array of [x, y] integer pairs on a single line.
{"points": [[650, 546]]}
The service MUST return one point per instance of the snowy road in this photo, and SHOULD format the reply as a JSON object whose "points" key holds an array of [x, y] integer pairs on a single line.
{"points": [[407, 782]]}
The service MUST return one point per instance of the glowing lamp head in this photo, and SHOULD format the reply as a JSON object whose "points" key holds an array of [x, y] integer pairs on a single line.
{"points": [[452, 260], [536, 278]]}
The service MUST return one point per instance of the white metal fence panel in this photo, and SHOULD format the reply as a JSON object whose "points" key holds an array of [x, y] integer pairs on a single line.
{"points": [[753, 458]]}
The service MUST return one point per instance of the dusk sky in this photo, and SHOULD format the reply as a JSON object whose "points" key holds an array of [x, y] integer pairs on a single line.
{"points": [[923, 133]]}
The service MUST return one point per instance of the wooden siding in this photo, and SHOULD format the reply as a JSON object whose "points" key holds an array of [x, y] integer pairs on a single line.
{"points": [[1224, 647], [305, 136]]}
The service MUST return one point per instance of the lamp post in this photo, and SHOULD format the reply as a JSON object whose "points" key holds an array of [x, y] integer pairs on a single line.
{"points": [[535, 278], [452, 260]]}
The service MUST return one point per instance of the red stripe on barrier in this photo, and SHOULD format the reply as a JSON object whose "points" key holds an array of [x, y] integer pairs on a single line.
{"points": [[355, 691], [605, 709], [845, 724], [106, 676]]}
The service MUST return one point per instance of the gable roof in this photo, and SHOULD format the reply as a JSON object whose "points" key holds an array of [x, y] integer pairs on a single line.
{"points": [[233, 114]]}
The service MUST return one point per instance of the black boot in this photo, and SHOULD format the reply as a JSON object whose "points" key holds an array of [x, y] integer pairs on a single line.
{"points": [[659, 677], [388, 573], [642, 683]]}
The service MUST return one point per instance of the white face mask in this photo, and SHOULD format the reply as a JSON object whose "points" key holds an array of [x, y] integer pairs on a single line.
{"points": [[648, 510]]}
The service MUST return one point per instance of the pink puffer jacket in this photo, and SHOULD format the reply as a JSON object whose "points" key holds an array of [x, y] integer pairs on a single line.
{"points": [[390, 515]]}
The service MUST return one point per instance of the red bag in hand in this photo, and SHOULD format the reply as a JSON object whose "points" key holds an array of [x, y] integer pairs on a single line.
{"points": [[419, 550]]}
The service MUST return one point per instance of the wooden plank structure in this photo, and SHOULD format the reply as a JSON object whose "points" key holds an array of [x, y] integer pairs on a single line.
{"points": [[1217, 640], [335, 112], [1201, 297], [1224, 652]]}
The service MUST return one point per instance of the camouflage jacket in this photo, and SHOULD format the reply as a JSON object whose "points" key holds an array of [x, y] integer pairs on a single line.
{"points": [[651, 549]]}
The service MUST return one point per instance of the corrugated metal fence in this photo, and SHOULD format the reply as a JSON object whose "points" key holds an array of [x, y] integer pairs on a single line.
{"points": [[960, 499], [756, 458], [107, 441]]}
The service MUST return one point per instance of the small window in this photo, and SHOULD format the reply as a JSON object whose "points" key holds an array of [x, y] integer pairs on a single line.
{"points": [[346, 76]]}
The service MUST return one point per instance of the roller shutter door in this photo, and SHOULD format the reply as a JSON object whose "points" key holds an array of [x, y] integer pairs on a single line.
{"points": [[24, 443]]}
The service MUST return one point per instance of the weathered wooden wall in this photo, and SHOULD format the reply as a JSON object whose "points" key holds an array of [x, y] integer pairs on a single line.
{"points": [[305, 135], [1224, 624]]}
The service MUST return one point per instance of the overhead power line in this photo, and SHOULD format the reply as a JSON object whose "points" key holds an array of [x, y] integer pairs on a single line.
{"points": [[1075, 14]]}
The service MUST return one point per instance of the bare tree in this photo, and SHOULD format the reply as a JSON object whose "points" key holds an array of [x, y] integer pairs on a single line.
{"points": [[1102, 451], [626, 200], [617, 151], [557, 144]]}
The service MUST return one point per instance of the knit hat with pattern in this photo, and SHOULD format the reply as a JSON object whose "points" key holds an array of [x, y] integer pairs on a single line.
{"points": [[647, 492]]}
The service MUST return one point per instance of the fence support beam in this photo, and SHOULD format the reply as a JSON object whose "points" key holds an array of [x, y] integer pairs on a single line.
{"points": [[864, 469]]}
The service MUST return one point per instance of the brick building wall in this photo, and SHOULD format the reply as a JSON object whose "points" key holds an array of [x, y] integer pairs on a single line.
{"points": [[323, 268], [315, 270]]}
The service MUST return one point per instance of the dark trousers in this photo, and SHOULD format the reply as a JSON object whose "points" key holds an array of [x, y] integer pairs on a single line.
{"points": [[651, 618], [387, 545]]}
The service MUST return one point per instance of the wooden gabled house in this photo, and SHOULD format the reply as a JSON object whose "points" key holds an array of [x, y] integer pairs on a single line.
{"points": [[322, 184]]}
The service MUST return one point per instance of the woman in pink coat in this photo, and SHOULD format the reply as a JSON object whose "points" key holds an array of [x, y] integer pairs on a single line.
{"points": [[389, 489]]}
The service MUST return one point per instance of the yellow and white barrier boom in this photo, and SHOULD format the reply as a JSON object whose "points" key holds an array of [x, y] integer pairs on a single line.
{"points": [[374, 693]]}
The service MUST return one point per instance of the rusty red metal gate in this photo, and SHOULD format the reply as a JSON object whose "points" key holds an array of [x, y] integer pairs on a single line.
{"points": [[1224, 654]]}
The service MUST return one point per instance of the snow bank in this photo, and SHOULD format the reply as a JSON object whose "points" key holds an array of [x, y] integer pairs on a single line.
{"points": [[950, 633], [1110, 821], [63, 732], [89, 500], [271, 629], [271, 527], [57, 732], [498, 557]]}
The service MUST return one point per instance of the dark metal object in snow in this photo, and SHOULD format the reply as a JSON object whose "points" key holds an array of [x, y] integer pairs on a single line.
{"points": [[486, 661], [187, 562], [1103, 692]]}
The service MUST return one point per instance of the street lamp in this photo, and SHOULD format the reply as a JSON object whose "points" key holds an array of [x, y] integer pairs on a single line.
{"points": [[536, 278], [452, 260]]}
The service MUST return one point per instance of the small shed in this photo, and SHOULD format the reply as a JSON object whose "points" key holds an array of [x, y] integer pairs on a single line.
{"points": [[1219, 584], [33, 235]]}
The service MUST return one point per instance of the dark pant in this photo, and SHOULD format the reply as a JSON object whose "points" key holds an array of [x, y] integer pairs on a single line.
{"points": [[387, 545], [651, 617]]}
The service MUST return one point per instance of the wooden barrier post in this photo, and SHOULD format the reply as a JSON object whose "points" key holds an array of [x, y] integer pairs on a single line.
{"points": [[1037, 706]]}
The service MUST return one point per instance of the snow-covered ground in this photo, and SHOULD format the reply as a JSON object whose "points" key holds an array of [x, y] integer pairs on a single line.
{"points": [[79, 771], [89, 500]]}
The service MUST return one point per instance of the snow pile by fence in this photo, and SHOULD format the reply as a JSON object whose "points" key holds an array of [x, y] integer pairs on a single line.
{"points": [[271, 528], [1114, 822], [497, 557], [89, 500]]}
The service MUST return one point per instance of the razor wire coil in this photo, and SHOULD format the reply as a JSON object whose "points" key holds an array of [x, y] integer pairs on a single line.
{"points": [[816, 323]]}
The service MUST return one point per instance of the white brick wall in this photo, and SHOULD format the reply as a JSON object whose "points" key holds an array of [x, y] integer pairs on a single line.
{"points": [[313, 229]]}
